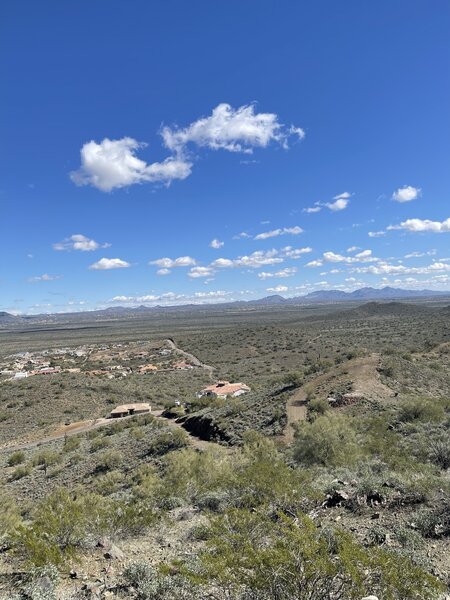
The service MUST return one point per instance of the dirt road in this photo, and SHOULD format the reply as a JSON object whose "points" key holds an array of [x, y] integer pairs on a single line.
{"points": [[192, 359], [366, 382]]}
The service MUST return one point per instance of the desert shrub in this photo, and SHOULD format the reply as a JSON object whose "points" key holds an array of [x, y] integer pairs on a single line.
{"points": [[152, 584], [420, 410], [253, 556], [170, 502], [433, 522], [214, 501], [16, 458], [10, 520], [169, 440], [409, 539], [71, 444], [99, 443], [45, 458], [4, 415], [188, 473], [63, 521], [317, 408], [439, 450], [137, 433], [109, 483], [20, 472], [328, 441], [109, 459]]}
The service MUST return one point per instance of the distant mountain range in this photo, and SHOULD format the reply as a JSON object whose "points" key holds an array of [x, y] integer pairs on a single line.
{"points": [[365, 294]]}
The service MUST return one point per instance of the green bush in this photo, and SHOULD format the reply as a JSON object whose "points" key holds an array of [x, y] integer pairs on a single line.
{"points": [[152, 584], [16, 458], [330, 440], [71, 444], [109, 459], [420, 410], [45, 458], [20, 472], [99, 443], [255, 556], [317, 408]]}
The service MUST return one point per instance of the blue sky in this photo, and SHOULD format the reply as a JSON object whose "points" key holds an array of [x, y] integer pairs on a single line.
{"points": [[134, 134]]}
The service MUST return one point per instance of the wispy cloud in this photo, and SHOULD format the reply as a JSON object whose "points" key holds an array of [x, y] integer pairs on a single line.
{"points": [[44, 277], [277, 232], [278, 289], [216, 244], [283, 273]]}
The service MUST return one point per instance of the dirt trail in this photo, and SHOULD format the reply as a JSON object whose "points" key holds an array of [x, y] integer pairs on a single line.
{"points": [[193, 359], [365, 378]]}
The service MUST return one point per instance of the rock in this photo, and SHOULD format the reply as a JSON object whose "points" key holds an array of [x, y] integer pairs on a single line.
{"points": [[375, 516], [114, 553], [370, 598], [104, 542], [337, 498], [73, 574]]}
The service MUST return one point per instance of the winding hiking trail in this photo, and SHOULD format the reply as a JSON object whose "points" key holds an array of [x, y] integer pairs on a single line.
{"points": [[362, 372]]}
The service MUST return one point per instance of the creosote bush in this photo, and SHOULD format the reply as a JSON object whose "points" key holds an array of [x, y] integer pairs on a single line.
{"points": [[329, 440], [253, 556]]}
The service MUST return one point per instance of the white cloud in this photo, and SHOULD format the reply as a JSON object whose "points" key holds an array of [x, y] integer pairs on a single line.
{"points": [[44, 277], [333, 257], [114, 164], [339, 204], [170, 263], [385, 268], [163, 272], [406, 194], [241, 236], [235, 130], [216, 244], [287, 272], [277, 232], [353, 249], [421, 254], [79, 242], [375, 234], [315, 263], [255, 260], [197, 272], [212, 294], [312, 209], [419, 225], [295, 253], [277, 289], [105, 264]]}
